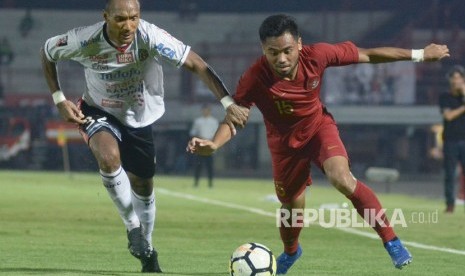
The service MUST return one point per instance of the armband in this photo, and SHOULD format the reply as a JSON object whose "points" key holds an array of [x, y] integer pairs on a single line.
{"points": [[418, 55], [226, 101], [58, 97]]}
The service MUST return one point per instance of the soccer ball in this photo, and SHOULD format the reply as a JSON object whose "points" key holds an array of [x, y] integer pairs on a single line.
{"points": [[252, 259]]}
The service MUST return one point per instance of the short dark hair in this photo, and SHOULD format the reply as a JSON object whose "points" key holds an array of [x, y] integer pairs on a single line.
{"points": [[276, 25], [456, 69], [110, 2]]}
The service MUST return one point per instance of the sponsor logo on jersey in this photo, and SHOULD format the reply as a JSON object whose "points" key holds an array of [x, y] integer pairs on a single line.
{"points": [[165, 51], [312, 83], [120, 74], [100, 66], [143, 54], [99, 58], [99, 62], [120, 89], [124, 58], [88, 42], [63, 41], [112, 103]]}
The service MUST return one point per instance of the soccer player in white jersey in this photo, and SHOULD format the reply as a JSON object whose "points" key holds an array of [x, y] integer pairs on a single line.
{"points": [[123, 97]]}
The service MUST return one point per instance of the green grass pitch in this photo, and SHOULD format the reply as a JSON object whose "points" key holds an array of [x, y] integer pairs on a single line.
{"points": [[54, 224]]}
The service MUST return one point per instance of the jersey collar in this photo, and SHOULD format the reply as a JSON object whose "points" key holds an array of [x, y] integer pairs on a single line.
{"points": [[120, 49]]}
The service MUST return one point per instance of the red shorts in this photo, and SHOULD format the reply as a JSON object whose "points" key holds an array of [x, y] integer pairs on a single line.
{"points": [[291, 170]]}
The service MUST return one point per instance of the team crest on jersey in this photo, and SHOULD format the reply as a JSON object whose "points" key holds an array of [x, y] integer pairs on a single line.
{"points": [[313, 83], [143, 54], [63, 41], [123, 58]]}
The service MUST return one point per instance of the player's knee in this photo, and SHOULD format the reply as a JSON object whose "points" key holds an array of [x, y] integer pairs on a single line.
{"points": [[341, 178], [141, 186], [109, 161]]}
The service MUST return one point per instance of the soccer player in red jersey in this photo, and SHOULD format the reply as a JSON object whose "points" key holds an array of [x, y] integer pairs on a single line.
{"points": [[285, 85]]}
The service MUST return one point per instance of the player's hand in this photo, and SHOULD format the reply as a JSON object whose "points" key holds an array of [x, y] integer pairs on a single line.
{"points": [[434, 52], [236, 115], [201, 146], [70, 113]]}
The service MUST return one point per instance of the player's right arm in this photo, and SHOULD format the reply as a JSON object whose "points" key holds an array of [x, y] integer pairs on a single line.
{"points": [[60, 47], [452, 114], [244, 97], [68, 110], [206, 147]]}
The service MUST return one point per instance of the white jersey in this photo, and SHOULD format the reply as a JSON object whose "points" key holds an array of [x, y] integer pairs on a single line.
{"points": [[127, 84]]}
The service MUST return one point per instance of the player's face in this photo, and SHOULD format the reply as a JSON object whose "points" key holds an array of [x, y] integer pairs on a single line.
{"points": [[282, 54], [122, 20], [456, 83]]}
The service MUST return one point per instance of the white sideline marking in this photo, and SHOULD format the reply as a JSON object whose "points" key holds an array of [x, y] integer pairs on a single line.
{"points": [[270, 214]]}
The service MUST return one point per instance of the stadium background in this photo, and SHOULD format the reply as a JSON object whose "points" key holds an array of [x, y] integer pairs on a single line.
{"points": [[385, 112]]}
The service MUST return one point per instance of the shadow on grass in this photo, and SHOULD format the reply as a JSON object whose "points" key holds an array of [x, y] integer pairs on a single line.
{"points": [[43, 271]]}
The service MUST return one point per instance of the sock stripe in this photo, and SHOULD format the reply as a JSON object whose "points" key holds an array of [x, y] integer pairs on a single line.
{"points": [[113, 174], [143, 198]]}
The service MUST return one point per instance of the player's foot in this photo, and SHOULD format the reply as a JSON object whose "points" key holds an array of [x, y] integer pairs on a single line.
{"points": [[149, 261], [449, 209], [399, 254], [285, 261], [135, 242]]}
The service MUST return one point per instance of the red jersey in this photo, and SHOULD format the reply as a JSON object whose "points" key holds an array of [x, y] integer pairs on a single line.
{"points": [[292, 110]]}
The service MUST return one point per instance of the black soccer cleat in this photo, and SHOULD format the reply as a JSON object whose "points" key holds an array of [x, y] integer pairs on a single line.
{"points": [[149, 261], [136, 242]]}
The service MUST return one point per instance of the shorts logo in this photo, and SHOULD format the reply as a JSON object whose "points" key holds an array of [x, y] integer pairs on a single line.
{"points": [[125, 58], [312, 83], [63, 41], [332, 147], [278, 185]]}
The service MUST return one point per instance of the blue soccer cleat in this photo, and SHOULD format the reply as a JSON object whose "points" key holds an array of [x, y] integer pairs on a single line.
{"points": [[285, 261], [399, 254]]}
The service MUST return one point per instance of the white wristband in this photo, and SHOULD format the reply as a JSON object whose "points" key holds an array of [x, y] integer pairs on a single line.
{"points": [[58, 97], [226, 101], [418, 55]]}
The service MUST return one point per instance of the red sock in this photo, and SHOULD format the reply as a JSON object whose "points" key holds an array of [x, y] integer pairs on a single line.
{"points": [[364, 198], [290, 238]]}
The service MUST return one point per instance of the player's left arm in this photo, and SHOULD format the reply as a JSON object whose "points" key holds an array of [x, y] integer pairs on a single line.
{"points": [[235, 114], [432, 52]]}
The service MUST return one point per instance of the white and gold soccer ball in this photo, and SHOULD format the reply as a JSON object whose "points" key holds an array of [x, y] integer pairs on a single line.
{"points": [[252, 259]]}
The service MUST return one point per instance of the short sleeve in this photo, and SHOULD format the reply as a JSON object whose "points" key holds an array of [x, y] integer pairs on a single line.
{"points": [[339, 54], [61, 47], [245, 90], [166, 46]]}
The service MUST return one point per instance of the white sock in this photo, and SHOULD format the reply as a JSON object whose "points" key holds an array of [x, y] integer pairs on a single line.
{"points": [[119, 190], [144, 206]]}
